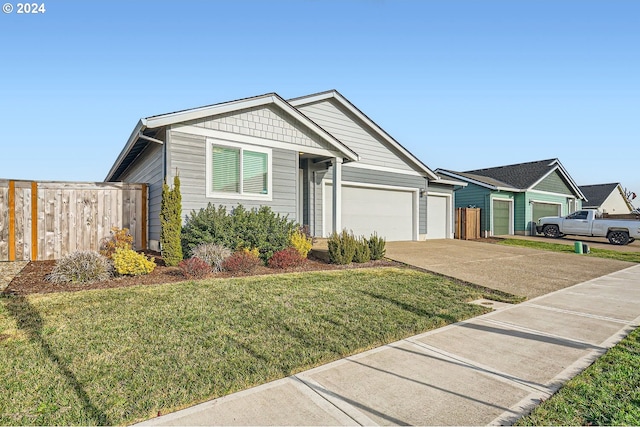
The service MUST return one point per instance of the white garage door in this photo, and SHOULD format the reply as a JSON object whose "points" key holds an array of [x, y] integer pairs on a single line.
{"points": [[365, 210], [437, 217]]}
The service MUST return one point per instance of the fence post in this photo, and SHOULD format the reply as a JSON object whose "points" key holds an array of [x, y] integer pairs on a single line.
{"points": [[12, 221], [34, 221]]}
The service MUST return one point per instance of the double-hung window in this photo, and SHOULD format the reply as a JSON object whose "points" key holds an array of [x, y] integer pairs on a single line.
{"points": [[237, 171]]}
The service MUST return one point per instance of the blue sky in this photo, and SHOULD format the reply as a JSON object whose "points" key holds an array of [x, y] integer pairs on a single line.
{"points": [[461, 84]]}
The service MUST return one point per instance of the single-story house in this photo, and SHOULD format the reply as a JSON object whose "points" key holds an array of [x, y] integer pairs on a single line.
{"points": [[317, 158], [607, 198], [513, 197]]}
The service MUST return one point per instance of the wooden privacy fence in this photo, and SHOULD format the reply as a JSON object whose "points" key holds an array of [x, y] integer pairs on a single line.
{"points": [[47, 220], [468, 223]]}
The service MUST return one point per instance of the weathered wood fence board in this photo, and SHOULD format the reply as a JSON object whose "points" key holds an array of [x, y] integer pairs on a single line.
{"points": [[468, 223], [47, 220]]}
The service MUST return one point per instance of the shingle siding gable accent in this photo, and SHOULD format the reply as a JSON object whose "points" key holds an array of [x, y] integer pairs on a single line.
{"points": [[267, 122], [371, 149], [554, 183]]}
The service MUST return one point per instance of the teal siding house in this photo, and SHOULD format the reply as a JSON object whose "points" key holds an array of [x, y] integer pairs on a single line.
{"points": [[513, 197]]}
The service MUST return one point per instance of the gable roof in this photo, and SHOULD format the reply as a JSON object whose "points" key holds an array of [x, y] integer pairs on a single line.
{"points": [[517, 177], [344, 102], [597, 194], [141, 136]]}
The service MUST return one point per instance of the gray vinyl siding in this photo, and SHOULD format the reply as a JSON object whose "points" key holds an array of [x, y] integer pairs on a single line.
{"points": [[368, 176], [188, 155], [147, 168], [267, 122], [348, 129], [554, 184]]}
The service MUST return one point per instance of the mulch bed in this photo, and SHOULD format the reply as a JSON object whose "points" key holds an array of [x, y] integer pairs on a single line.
{"points": [[32, 279]]}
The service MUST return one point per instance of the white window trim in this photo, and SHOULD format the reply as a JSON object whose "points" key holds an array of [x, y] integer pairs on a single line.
{"points": [[238, 196]]}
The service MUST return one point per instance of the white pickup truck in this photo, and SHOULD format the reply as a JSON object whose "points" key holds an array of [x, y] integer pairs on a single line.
{"points": [[588, 222]]}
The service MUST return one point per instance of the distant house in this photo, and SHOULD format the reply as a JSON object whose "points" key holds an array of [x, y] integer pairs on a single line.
{"points": [[607, 198], [513, 197], [317, 159]]}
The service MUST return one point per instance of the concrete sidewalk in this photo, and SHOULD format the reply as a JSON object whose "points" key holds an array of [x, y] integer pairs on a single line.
{"points": [[487, 370]]}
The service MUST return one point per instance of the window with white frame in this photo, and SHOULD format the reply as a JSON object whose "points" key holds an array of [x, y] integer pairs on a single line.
{"points": [[238, 171]]}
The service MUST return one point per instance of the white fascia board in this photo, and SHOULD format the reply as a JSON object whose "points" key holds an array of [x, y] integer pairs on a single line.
{"points": [[449, 182], [469, 180], [296, 102], [211, 110], [140, 127], [228, 107]]}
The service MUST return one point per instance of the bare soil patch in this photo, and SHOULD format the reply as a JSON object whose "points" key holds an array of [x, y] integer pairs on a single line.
{"points": [[32, 279]]}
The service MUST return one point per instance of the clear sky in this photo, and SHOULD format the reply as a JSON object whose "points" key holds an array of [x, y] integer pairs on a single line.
{"points": [[461, 84]]}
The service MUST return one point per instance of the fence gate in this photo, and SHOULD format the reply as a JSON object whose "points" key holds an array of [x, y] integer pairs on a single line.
{"points": [[468, 223], [47, 220]]}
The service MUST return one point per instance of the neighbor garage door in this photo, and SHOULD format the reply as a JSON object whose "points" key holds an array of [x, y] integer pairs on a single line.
{"points": [[437, 217], [501, 217], [544, 209], [366, 210]]}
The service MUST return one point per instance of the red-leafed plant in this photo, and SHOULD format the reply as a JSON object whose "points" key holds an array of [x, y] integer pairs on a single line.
{"points": [[243, 261], [194, 268], [286, 258]]}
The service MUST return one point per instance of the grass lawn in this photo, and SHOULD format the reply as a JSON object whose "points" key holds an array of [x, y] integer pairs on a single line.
{"points": [[607, 393], [559, 247], [123, 355]]}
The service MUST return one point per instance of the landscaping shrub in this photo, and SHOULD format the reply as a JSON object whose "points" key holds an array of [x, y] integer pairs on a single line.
{"points": [[129, 262], [242, 261], [119, 238], [342, 247], [81, 267], [194, 268], [376, 247], [212, 254], [171, 223], [362, 252], [256, 228], [288, 257], [300, 241]]}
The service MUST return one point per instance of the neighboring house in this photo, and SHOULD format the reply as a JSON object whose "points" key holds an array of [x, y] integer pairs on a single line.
{"points": [[607, 198], [290, 155], [513, 197]]}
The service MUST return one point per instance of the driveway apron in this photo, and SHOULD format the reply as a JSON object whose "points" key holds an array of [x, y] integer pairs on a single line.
{"points": [[487, 370]]}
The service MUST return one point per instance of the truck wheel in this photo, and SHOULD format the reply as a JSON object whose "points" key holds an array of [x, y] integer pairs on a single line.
{"points": [[618, 237], [551, 231]]}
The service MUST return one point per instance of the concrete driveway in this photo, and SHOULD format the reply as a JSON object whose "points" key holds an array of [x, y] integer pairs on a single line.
{"points": [[519, 271]]}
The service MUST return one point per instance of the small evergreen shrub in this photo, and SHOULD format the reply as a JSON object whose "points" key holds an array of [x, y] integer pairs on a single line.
{"points": [[194, 268], [119, 239], [342, 247], [131, 263], [212, 254], [256, 228], [243, 261], [171, 223], [81, 267], [376, 247], [362, 253], [286, 258], [300, 242]]}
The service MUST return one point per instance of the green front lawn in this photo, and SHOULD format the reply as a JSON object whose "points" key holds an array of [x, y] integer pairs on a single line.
{"points": [[123, 355], [607, 393], [559, 247]]}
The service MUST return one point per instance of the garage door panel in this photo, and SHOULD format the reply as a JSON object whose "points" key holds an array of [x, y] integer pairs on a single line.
{"points": [[501, 217], [389, 213], [437, 217], [544, 209]]}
